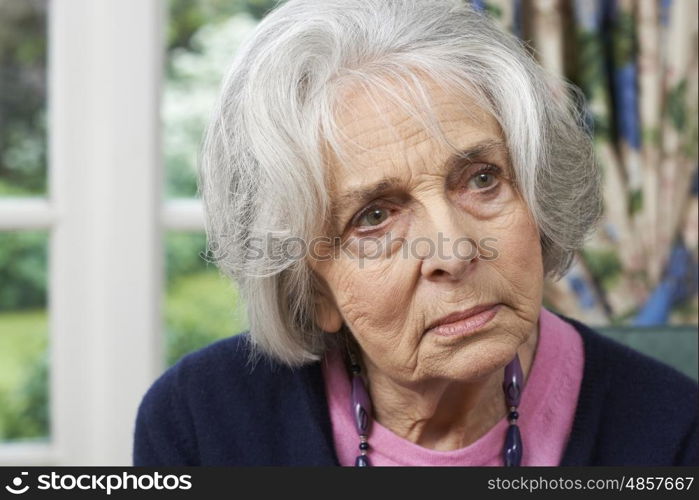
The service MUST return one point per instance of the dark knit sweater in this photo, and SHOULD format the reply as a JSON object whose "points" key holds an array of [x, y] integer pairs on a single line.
{"points": [[211, 408]]}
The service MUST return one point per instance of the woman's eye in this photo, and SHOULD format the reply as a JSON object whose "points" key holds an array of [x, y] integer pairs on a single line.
{"points": [[483, 180], [373, 217]]}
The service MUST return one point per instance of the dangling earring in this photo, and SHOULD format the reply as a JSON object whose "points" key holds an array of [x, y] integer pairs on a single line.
{"points": [[360, 407], [512, 385]]}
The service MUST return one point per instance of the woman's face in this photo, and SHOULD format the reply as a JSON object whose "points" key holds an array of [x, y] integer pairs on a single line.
{"points": [[420, 203]]}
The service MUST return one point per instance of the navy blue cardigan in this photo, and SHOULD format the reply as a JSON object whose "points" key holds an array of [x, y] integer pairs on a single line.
{"points": [[211, 409]]}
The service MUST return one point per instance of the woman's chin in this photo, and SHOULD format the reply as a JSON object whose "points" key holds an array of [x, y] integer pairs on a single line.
{"points": [[482, 352]]}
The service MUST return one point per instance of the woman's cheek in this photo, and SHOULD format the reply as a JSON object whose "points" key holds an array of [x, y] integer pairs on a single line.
{"points": [[368, 296], [519, 262], [354, 290]]}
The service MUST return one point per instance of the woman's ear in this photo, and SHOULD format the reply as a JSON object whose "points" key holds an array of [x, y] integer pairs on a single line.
{"points": [[328, 317], [327, 314]]}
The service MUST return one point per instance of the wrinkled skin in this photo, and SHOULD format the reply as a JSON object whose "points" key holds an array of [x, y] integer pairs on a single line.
{"points": [[441, 393]]}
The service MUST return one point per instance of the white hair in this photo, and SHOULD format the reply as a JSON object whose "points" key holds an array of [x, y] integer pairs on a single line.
{"points": [[263, 170]]}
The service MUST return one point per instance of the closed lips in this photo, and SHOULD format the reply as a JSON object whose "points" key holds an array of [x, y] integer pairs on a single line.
{"points": [[460, 315]]}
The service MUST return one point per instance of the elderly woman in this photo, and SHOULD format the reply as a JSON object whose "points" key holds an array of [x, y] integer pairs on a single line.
{"points": [[389, 182]]}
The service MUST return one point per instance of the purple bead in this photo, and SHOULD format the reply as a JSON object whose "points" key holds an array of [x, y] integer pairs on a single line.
{"points": [[513, 383], [361, 406], [513, 447], [362, 461]]}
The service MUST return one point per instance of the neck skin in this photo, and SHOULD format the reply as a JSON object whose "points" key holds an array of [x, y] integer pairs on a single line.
{"points": [[444, 415]]}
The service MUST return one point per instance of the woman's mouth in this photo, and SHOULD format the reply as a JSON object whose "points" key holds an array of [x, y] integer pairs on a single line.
{"points": [[465, 323]]}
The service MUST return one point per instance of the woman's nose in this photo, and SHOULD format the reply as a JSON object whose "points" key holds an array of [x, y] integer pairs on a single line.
{"points": [[447, 245]]}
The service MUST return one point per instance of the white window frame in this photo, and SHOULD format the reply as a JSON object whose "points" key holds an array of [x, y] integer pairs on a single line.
{"points": [[106, 219]]}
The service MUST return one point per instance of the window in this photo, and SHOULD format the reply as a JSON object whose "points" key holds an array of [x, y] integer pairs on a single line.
{"points": [[92, 220], [25, 220]]}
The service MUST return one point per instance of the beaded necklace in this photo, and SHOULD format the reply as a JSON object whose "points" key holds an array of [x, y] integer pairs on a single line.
{"points": [[511, 386]]}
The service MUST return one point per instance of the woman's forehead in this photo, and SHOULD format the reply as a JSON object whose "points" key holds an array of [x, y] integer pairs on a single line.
{"points": [[376, 129], [406, 110]]}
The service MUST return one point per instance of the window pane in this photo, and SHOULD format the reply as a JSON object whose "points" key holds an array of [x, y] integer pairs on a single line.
{"points": [[200, 305], [202, 37], [22, 97], [23, 336]]}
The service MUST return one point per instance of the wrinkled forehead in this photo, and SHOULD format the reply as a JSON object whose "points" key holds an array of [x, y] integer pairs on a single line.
{"points": [[389, 125]]}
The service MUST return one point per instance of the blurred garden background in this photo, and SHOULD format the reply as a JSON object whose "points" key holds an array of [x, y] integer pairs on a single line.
{"points": [[636, 62]]}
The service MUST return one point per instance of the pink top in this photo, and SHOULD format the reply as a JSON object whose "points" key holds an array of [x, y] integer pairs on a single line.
{"points": [[546, 411]]}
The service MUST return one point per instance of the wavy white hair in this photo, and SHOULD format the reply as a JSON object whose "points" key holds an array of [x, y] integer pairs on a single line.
{"points": [[263, 168]]}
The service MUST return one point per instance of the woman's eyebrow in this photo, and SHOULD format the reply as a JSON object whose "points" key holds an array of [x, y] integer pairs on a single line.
{"points": [[364, 194], [477, 152], [360, 196]]}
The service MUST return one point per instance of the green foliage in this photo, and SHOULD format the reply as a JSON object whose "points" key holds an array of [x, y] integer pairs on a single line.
{"points": [[677, 104], [493, 10], [651, 136], [23, 268], [24, 399], [199, 309], [25, 413], [588, 73], [200, 306], [590, 64], [187, 16], [685, 312], [635, 201], [183, 255], [682, 112], [194, 76], [623, 32], [22, 97], [604, 265]]}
